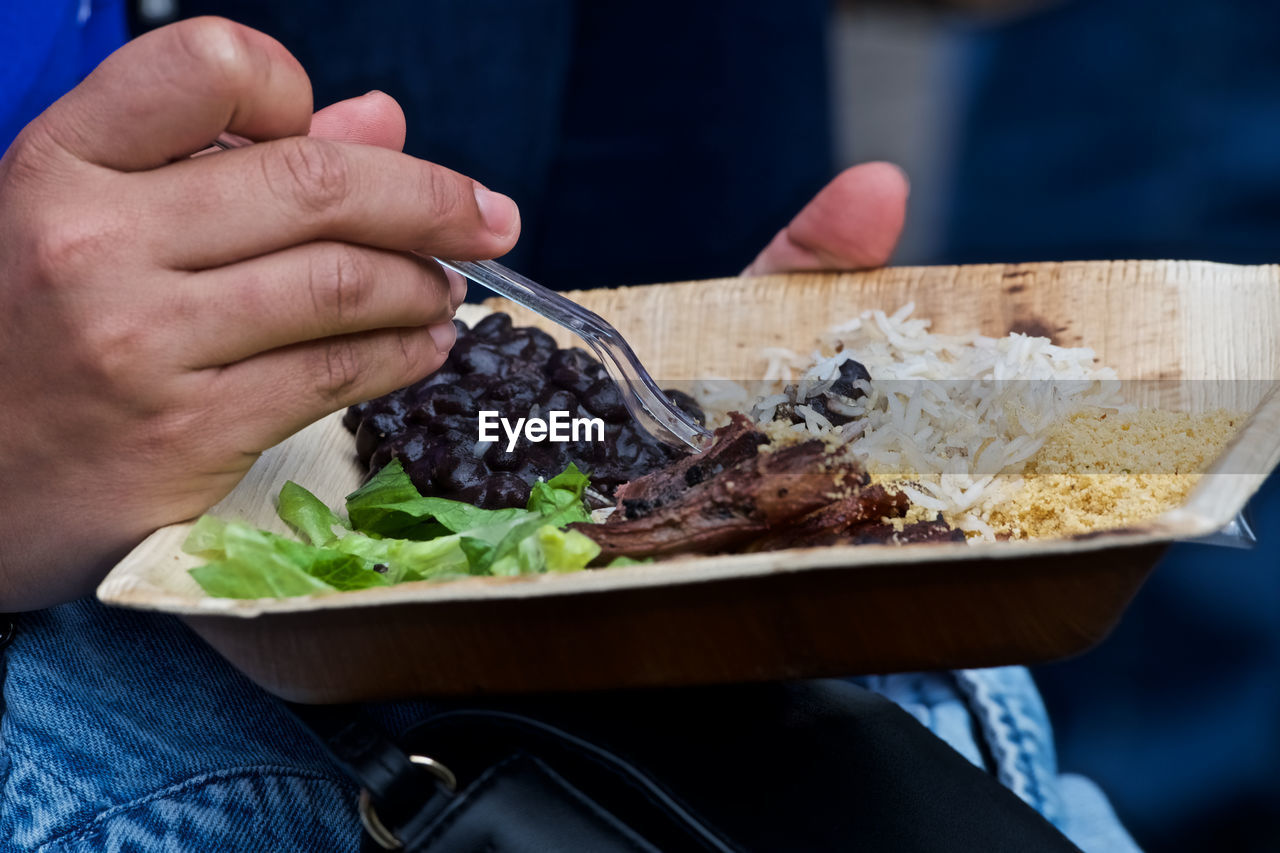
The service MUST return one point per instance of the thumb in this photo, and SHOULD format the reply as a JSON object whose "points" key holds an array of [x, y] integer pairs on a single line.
{"points": [[169, 93], [852, 223]]}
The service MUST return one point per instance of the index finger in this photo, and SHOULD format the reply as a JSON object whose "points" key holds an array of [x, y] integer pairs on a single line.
{"points": [[169, 93], [282, 193]]}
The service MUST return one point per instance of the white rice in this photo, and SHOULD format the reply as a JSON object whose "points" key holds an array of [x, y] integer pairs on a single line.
{"points": [[951, 418]]}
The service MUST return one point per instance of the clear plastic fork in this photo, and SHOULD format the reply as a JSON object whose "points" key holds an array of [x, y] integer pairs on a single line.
{"points": [[648, 405], [646, 402]]}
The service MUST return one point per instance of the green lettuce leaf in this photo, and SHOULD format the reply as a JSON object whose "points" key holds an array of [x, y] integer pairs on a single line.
{"points": [[548, 549], [307, 514], [390, 505], [407, 559], [230, 579], [479, 553], [206, 537], [250, 563], [394, 534], [344, 571], [561, 496], [565, 550]]}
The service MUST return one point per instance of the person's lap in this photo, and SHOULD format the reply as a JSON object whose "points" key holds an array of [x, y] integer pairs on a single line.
{"points": [[122, 727], [122, 730]]}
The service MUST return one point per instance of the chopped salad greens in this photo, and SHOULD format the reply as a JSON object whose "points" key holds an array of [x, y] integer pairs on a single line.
{"points": [[392, 534]]}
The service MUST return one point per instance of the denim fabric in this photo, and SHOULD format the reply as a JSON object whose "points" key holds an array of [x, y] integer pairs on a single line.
{"points": [[1016, 730], [122, 731], [1088, 818]]}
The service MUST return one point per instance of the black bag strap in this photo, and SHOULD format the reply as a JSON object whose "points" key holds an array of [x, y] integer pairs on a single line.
{"points": [[413, 801], [395, 787], [363, 750], [474, 740], [809, 766]]}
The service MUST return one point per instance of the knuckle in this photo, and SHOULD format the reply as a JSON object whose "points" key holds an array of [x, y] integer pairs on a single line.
{"points": [[30, 157], [429, 300], [418, 356], [65, 244], [341, 283], [417, 352], [339, 371], [436, 301], [219, 49], [439, 192], [310, 174], [116, 353], [176, 426]]}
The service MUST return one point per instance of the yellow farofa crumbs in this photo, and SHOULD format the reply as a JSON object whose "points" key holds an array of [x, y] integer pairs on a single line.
{"points": [[1104, 469]]}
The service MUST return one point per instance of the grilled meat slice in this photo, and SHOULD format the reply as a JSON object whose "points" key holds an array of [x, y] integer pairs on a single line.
{"points": [[828, 525], [735, 442], [884, 533], [732, 508]]}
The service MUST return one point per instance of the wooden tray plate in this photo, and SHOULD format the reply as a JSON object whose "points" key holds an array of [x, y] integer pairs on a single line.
{"points": [[796, 613]]}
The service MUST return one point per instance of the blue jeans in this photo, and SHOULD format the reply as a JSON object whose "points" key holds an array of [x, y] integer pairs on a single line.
{"points": [[123, 731]]}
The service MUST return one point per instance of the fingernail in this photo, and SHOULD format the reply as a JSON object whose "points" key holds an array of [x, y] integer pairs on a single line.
{"points": [[372, 92], [500, 214], [444, 335], [457, 288]]}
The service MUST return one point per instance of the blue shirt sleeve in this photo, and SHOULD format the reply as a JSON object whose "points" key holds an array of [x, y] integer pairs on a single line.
{"points": [[47, 48]]}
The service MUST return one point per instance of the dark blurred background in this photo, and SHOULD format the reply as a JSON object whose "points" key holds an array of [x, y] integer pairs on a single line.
{"points": [[669, 140]]}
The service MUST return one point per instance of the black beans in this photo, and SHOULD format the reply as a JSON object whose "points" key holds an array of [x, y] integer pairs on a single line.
{"points": [[850, 372], [501, 490], [574, 370], [446, 400], [460, 472], [376, 426], [498, 458], [433, 425], [482, 359], [496, 327], [604, 400]]}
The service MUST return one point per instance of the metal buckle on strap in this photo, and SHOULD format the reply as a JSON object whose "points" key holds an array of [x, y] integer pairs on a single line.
{"points": [[373, 824]]}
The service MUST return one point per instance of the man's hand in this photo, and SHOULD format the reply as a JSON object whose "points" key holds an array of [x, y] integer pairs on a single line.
{"points": [[852, 223], [168, 318]]}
